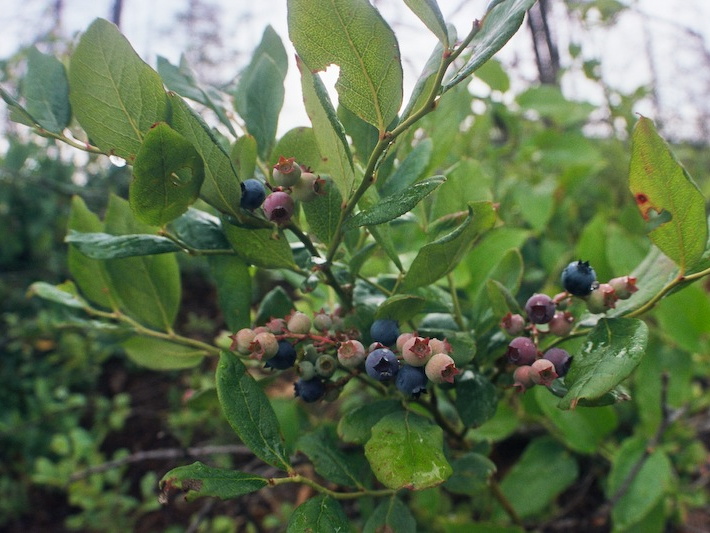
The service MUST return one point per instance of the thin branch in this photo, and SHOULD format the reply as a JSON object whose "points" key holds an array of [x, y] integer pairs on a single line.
{"points": [[165, 453]]}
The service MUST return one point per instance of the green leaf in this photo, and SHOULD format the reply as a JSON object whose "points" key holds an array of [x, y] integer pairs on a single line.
{"points": [[299, 142], [221, 187], [472, 473], [394, 206], [356, 425], [328, 131], [476, 399], [116, 97], [666, 195], [260, 91], [158, 354], [321, 514], [401, 307], [46, 91], [406, 451], [685, 318], [425, 82], [429, 13], [243, 155], [200, 230], [323, 212], [364, 136], [392, 516], [182, 80], [370, 84], [146, 287], [234, 289], [276, 303], [167, 176], [199, 481], [583, 430], [249, 412], [17, 112], [497, 27], [64, 294], [440, 257], [647, 487], [266, 248], [543, 472], [90, 275], [344, 468], [410, 170], [549, 102], [105, 246], [612, 351]]}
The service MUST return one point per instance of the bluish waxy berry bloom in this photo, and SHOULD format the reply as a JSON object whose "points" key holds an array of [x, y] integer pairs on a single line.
{"points": [[284, 358], [253, 194], [578, 278], [382, 364], [560, 358], [411, 380], [384, 331], [310, 390]]}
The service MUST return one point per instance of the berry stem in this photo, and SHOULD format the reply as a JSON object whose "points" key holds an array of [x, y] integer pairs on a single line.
{"points": [[298, 478], [665, 290]]}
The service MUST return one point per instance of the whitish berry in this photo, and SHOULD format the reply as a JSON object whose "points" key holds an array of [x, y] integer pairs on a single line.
{"points": [[242, 340], [441, 368], [264, 346], [416, 351], [298, 323], [351, 354]]}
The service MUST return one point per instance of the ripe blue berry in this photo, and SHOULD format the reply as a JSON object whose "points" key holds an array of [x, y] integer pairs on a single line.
{"points": [[278, 207], [521, 351], [253, 194], [284, 358], [560, 358], [411, 380], [540, 308], [310, 390], [385, 331], [382, 364], [578, 278]]}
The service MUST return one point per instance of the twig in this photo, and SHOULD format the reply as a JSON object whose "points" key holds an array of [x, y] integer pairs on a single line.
{"points": [[165, 453]]}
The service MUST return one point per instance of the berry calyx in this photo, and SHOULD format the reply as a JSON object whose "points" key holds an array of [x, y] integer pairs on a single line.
{"points": [[521, 351], [578, 278], [385, 331], [253, 194], [542, 372], [278, 207], [624, 286], [382, 364], [325, 366], [416, 351], [540, 308]]}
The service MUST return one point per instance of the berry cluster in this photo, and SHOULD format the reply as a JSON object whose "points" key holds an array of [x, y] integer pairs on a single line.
{"points": [[320, 346], [578, 279], [290, 183]]}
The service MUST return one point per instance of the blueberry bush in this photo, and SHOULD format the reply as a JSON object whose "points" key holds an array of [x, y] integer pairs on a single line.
{"points": [[428, 286]]}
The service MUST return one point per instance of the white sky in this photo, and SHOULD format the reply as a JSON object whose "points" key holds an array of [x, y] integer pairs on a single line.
{"points": [[148, 27]]}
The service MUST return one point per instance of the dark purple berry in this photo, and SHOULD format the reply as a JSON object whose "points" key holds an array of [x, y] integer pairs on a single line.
{"points": [[540, 308], [521, 351], [578, 278], [411, 380], [253, 194], [560, 358], [310, 390], [278, 207], [382, 364], [284, 358], [385, 331]]}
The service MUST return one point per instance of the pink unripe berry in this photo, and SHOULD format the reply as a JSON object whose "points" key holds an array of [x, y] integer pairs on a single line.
{"points": [[264, 346], [242, 340], [601, 299], [562, 323], [521, 351], [278, 207], [441, 368], [624, 286], [416, 351], [440, 346], [540, 308], [513, 324], [276, 326], [351, 354], [523, 378], [404, 337], [543, 372], [286, 172], [298, 323]]}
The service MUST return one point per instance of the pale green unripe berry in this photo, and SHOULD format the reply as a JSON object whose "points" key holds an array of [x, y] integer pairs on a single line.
{"points": [[299, 323]]}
